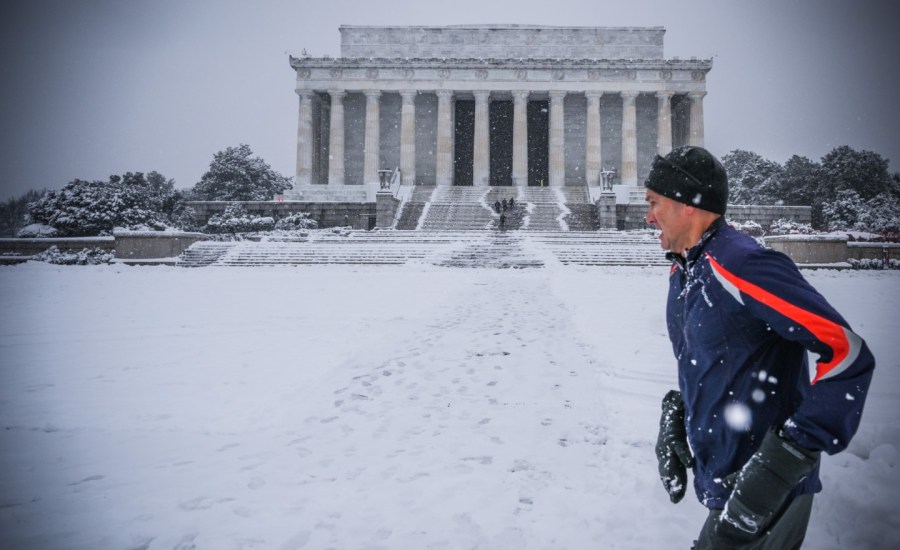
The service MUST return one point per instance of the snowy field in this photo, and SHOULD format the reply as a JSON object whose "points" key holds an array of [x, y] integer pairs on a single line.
{"points": [[375, 408]]}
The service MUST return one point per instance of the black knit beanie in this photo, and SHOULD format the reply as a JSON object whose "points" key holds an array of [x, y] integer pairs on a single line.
{"points": [[690, 175]]}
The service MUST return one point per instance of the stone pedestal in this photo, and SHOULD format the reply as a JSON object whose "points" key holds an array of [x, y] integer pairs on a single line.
{"points": [[385, 209], [606, 211]]}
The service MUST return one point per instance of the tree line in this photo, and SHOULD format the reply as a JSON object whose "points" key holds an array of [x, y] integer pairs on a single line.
{"points": [[847, 189], [140, 201]]}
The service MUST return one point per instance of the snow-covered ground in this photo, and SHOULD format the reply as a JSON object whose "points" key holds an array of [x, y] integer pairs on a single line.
{"points": [[375, 408]]}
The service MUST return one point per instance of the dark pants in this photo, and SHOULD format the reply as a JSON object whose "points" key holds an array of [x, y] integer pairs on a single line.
{"points": [[786, 532]]}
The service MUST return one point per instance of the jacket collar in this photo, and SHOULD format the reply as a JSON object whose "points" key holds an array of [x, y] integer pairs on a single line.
{"points": [[694, 252]]}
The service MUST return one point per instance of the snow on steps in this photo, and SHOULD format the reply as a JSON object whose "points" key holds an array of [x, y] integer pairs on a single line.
{"points": [[446, 248]]}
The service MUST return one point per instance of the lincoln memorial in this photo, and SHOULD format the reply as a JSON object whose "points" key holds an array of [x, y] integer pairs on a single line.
{"points": [[493, 105]]}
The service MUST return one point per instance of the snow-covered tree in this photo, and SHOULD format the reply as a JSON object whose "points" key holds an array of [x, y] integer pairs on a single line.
{"points": [[842, 212], [751, 178], [14, 213], [862, 171], [236, 175], [86, 208], [799, 182]]}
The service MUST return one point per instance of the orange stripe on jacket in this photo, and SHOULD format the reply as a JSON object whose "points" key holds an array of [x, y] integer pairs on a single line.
{"points": [[844, 343]]}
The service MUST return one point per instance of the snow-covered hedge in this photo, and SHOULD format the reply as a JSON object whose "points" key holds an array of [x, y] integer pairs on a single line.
{"points": [[299, 220], [87, 256], [871, 263], [235, 219], [789, 227]]}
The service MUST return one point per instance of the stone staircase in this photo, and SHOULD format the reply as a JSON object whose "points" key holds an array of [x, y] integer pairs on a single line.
{"points": [[582, 217], [603, 248], [499, 249], [458, 208], [486, 249], [543, 207], [204, 253], [461, 208], [409, 215]]}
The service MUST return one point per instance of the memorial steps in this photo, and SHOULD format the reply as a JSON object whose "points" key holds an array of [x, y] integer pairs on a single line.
{"points": [[488, 249], [465, 208]]}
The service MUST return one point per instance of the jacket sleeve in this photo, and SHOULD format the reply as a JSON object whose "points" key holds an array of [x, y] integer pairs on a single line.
{"points": [[771, 287]]}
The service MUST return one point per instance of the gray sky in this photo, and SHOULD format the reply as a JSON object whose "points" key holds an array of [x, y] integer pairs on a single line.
{"points": [[99, 87]]}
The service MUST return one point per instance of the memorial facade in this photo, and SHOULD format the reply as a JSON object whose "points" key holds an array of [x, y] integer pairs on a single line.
{"points": [[494, 105]]}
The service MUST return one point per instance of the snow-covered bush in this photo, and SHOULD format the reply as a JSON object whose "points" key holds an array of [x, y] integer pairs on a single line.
{"points": [[236, 219], [842, 212], [299, 220], [87, 256], [871, 263], [184, 218], [37, 231], [880, 215], [749, 227], [789, 227]]}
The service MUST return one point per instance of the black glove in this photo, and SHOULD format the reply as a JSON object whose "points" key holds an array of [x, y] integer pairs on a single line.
{"points": [[672, 449], [761, 489]]}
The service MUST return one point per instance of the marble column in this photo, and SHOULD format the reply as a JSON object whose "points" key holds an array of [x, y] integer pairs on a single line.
{"points": [[336, 139], [664, 123], [481, 168], [696, 137], [408, 138], [373, 139], [444, 160], [520, 139], [593, 163], [629, 138], [557, 143], [304, 139]]}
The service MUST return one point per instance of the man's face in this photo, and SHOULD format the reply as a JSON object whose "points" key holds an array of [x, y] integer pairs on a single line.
{"points": [[669, 217]]}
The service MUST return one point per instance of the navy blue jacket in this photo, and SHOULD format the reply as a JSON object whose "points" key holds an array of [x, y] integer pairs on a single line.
{"points": [[741, 319]]}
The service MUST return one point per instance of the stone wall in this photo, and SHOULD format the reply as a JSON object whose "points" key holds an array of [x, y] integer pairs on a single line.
{"points": [[807, 249], [633, 215], [828, 249], [765, 215], [30, 247], [153, 244]]}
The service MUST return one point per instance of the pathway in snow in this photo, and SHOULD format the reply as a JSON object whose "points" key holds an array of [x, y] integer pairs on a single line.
{"points": [[458, 428]]}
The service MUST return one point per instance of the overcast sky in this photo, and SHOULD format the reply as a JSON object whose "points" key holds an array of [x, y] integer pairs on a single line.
{"points": [[98, 87]]}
